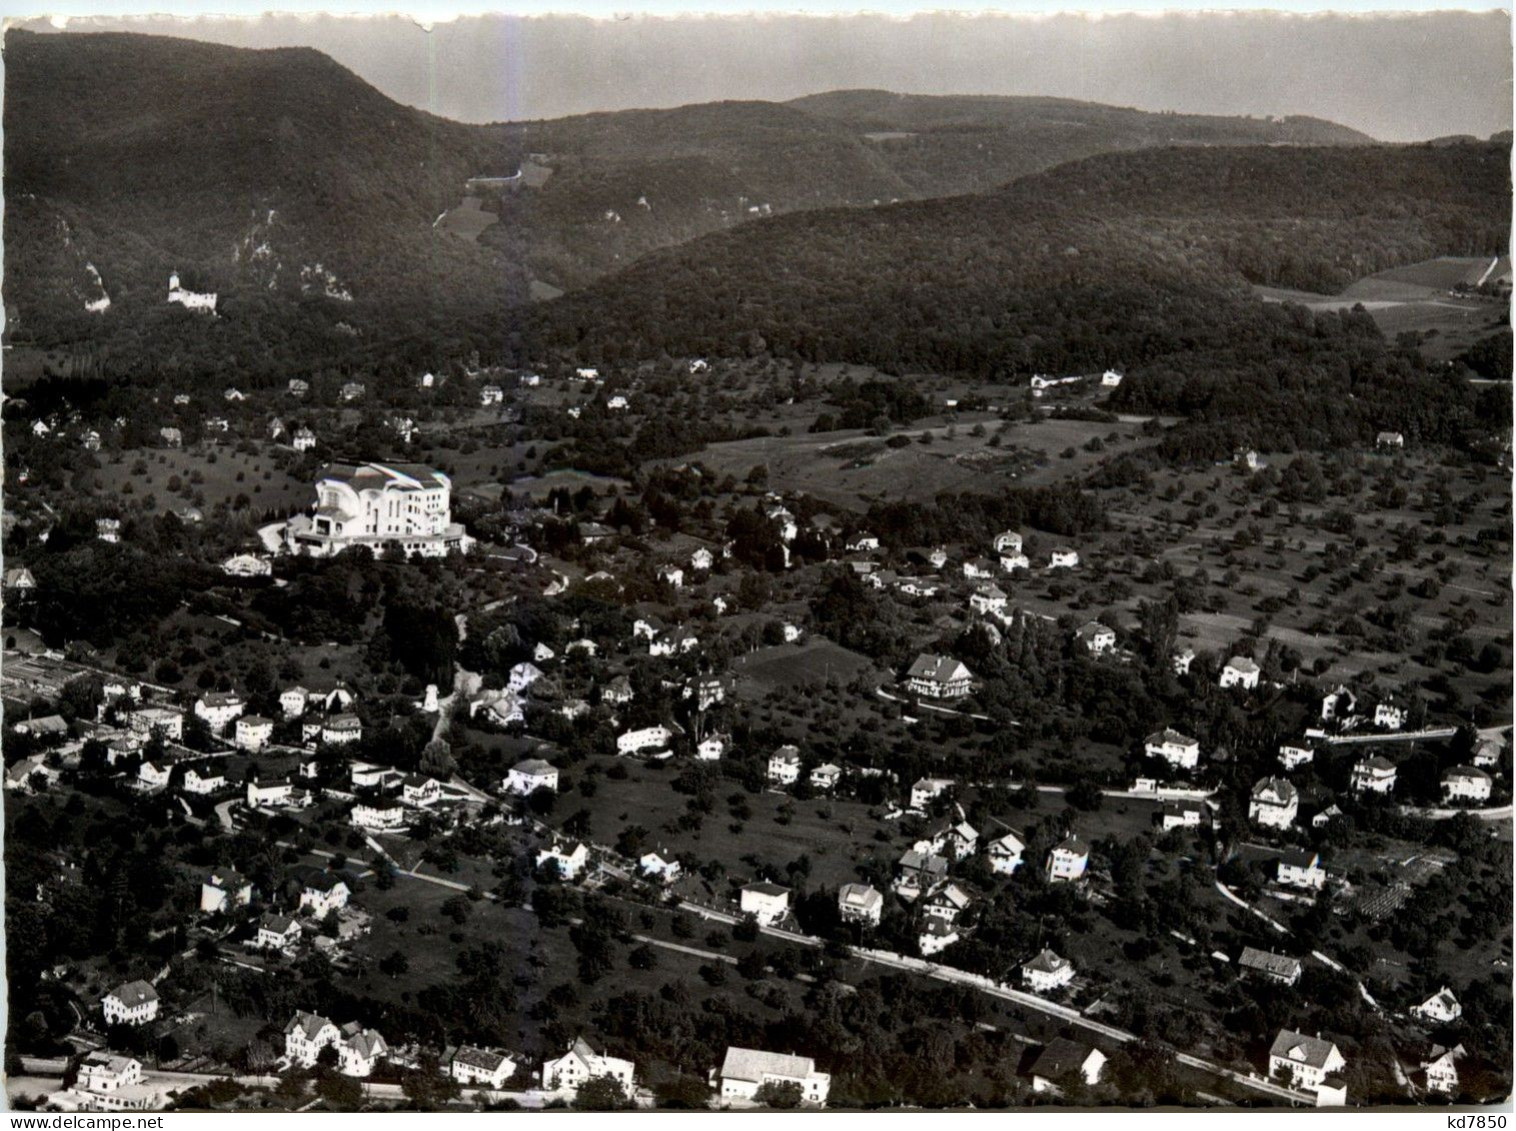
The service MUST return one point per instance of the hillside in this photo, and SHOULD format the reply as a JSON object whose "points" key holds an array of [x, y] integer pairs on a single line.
{"points": [[335, 226], [1140, 261]]}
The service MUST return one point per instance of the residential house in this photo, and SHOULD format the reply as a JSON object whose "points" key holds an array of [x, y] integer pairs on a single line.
{"points": [[419, 791], [490, 395], [1005, 854], [1008, 542], [938, 677], [1274, 803], [474, 1067], [619, 690], [103, 1074], [1181, 815], [702, 559], [659, 866], [303, 439], [570, 862], [277, 932], [644, 738], [582, 1063], [1182, 660], [859, 903], [946, 902], [360, 1050], [1340, 704], [784, 766], [1389, 440], [957, 842], [522, 676], [712, 748], [1063, 1062], [1487, 753], [306, 1035], [254, 732], [1442, 1008], [1293, 757], [767, 902], [927, 790], [542, 653], [379, 814], [1046, 972], [1299, 868], [981, 568], [323, 892], [863, 543], [1063, 558], [744, 1071], [1010, 563], [529, 775], [1266, 964], [583, 646], [1374, 774], [988, 598], [918, 871], [108, 529], [21, 581], [172, 437], [826, 776], [1307, 1062], [1068, 860], [1240, 671], [204, 778], [1465, 783], [298, 387], [225, 890], [1389, 714], [272, 793], [1178, 750], [130, 1003], [292, 701], [673, 575], [1096, 638], [1441, 1069], [339, 730], [935, 936], [219, 708], [151, 775]]}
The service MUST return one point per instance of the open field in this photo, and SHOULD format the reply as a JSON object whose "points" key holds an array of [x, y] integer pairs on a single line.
{"points": [[814, 661], [468, 221], [850, 468], [205, 476]]}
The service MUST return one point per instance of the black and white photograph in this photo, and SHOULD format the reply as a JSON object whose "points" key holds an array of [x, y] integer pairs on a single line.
{"points": [[776, 563]]}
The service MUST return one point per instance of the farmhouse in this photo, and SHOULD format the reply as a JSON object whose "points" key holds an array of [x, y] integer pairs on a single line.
{"points": [[1270, 966], [767, 902], [938, 677], [1096, 638], [1064, 1062], [481, 1068], [405, 507], [1178, 750], [581, 1063], [1240, 671], [131, 1003], [1465, 783], [859, 903], [744, 1071], [1046, 972], [1274, 803], [1067, 860], [532, 774], [1374, 774]]}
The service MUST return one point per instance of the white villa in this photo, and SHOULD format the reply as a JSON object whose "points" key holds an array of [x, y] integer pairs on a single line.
{"points": [[1240, 671], [1178, 750], [1274, 803]]}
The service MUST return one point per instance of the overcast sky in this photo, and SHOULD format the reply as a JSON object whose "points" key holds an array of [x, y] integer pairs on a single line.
{"points": [[1399, 78]]}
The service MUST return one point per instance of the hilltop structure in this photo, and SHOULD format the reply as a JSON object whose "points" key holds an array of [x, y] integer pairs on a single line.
{"points": [[405, 507]]}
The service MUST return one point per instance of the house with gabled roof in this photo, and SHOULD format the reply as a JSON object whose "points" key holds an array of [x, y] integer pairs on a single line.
{"points": [[1274, 803], [1441, 1008], [1046, 971], [1307, 1062], [1178, 750], [582, 1063], [1374, 774], [225, 890], [1005, 854], [1440, 1068], [1068, 860], [859, 903], [1300, 868], [306, 1035], [1240, 671], [938, 677], [130, 1003], [530, 774], [481, 1068], [1273, 967], [917, 872], [360, 1050], [1096, 638], [1466, 783], [744, 1071], [766, 902], [1063, 1062]]}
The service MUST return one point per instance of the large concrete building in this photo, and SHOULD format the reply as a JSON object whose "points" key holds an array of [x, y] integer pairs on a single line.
{"points": [[401, 508]]}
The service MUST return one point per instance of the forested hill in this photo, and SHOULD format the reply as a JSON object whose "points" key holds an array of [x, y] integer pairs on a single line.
{"points": [[940, 144], [1115, 260], [310, 202]]}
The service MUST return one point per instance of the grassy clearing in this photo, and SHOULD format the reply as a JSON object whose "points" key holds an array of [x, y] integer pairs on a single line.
{"points": [[810, 662]]}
